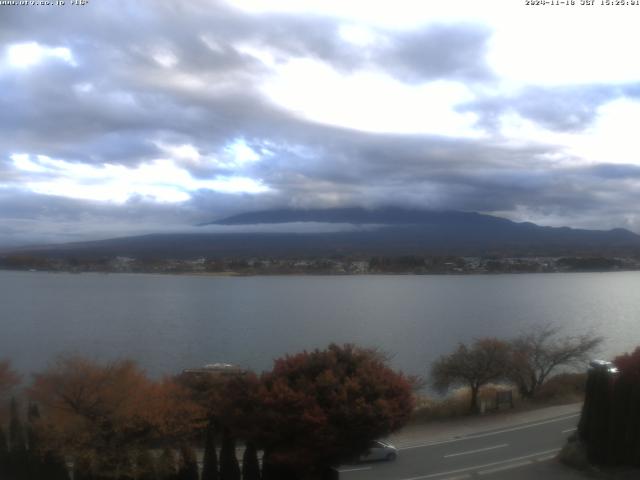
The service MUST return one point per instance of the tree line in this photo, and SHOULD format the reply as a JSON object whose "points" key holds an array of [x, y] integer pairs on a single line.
{"points": [[104, 421], [311, 411], [526, 361]]}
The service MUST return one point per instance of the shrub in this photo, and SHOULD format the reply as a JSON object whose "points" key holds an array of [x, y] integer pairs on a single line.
{"points": [[564, 387]]}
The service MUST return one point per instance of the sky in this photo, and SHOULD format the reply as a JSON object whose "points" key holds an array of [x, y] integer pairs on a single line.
{"points": [[131, 117]]}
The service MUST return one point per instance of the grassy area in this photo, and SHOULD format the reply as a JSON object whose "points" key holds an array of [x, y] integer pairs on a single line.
{"points": [[558, 390]]}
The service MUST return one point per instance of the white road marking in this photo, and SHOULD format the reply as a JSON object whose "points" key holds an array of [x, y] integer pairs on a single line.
{"points": [[342, 470], [505, 467], [476, 451], [486, 465], [546, 458], [569, 430], [488, 434]]}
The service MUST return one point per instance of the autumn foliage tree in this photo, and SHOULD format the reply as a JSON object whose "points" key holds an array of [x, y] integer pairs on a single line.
{"points": [[210, 391], [629, 365], [318, 409], [102, 414], [472, 366]]}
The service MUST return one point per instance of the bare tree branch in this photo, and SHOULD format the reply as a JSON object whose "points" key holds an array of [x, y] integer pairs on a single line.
{"points": [[542, 350]]}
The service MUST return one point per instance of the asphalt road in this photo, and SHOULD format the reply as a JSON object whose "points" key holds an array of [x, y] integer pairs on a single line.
{"points": [[507, 453]]}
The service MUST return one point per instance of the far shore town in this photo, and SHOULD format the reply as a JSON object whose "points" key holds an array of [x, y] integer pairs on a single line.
{"points": [[335, 265]]}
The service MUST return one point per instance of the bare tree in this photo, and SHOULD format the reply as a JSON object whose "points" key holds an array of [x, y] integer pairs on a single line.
{"points": [[474, 366], [537, 353]]}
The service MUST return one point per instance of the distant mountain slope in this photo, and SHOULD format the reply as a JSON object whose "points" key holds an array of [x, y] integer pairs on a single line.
{"points": [[401, 232], [402, 216], [357, 216]]}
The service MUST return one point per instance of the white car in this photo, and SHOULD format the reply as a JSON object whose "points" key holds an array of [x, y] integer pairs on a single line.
{"points": [[379, 450]]}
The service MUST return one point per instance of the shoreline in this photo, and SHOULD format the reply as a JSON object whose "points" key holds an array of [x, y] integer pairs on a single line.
{"points": [[315, 274]]}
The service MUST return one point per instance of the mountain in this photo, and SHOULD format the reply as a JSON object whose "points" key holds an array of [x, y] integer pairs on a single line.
{"points": [[358, 216], [397, 231]]}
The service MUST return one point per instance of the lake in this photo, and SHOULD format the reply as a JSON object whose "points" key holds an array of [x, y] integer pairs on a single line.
{"points": [[168, 323]]}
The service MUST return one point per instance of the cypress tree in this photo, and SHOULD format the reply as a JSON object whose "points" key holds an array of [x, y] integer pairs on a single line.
{"points": [[18, 461], [4, 446], [250, 465], [82, 469], [38, 468], [53, 467], [125, 468], [145, 466], [188, 469], [229, 468], [210, 459], [167, 465], [16, 430], [33, 415], [4, 455], [594, 426]]}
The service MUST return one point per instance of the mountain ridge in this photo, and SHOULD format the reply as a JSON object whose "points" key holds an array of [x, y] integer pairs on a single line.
{"points": [[379, 216], [398, 232]]}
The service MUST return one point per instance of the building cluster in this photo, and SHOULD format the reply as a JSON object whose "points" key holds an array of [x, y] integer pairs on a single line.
{"points": [[326, 266]]}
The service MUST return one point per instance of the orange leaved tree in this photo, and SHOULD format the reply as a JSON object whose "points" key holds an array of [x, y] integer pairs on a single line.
{"points": [[102, 415], [317, 409]]}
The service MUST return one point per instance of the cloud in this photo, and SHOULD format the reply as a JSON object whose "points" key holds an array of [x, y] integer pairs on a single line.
{"points": [[161, 180], [24, 55], [144, 121], [440, 51], [555, 108]]}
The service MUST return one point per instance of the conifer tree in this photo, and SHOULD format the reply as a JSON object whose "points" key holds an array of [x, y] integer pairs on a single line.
{"points": [[145, 466], [82, 469], [53, 467], [188, 469], [4, 446], [16, 429], [18, 461], [125, 468], [33, 415], [4, 454], [34, 458], [210, 459], [229, 468], [167, 465], [250, 465]]}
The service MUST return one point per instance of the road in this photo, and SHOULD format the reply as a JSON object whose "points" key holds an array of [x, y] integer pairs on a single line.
{"points": [[505, 453]]}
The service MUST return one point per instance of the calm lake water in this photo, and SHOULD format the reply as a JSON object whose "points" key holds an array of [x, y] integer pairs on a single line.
{"points": [[168, 323]]}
